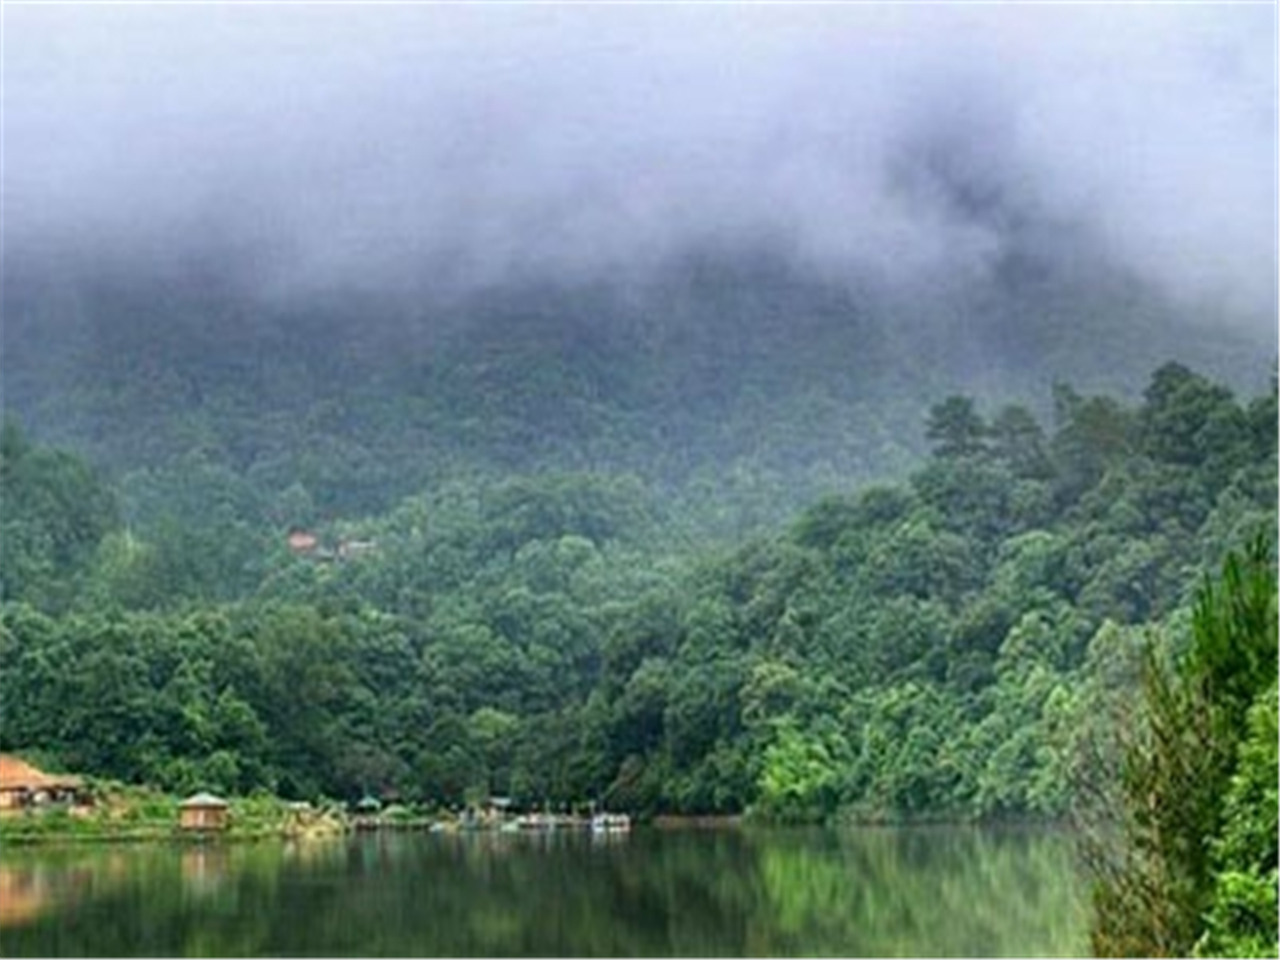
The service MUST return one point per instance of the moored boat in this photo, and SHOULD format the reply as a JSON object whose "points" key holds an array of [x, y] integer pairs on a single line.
{"points": [[610, 823]]}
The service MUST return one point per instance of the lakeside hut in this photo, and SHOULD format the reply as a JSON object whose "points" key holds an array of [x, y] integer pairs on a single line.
{"points": [[22, 786], [497, 810], [203, 812], [368, 810]]}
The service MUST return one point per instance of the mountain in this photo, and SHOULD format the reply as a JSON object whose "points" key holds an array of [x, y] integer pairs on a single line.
{"points": [[728, 375]]}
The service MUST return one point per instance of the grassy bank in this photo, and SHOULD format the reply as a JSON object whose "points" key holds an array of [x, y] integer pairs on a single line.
{"points": [[123, 813]]}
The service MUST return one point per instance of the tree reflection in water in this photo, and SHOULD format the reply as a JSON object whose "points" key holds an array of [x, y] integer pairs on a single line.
{"points": [[871, 892]]}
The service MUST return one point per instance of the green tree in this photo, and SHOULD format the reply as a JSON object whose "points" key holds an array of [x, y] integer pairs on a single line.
{"points": [[800, 775], [955, 428], [1018, 439], [1092, 434], [1189, 420], [1154, 893], [56, 510], [1241, 921]]}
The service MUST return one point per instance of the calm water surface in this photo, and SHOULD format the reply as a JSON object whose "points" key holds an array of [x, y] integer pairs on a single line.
{"points": [[723, 892]]}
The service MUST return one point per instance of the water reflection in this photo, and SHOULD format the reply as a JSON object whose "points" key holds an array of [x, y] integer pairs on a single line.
{"points": [[24, 895], [203, 868], [876, 892], [30, 887]]}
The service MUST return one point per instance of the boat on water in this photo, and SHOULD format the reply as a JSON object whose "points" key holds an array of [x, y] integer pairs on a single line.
{"points": [[610, 823]]}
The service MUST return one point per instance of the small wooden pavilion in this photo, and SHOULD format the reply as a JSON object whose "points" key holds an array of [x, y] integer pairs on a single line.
{"points": [[203, 812]]}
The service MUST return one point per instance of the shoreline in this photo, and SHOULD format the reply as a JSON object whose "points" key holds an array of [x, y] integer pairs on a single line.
{"points": [[109, 832]]}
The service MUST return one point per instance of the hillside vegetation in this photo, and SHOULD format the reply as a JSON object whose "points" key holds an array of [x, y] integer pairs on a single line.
{"points": [[928, 648], [735, 387]]}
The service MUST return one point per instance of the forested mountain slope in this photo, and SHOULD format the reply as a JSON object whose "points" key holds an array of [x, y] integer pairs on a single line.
{"points": [[932, 647], [741, 385]]}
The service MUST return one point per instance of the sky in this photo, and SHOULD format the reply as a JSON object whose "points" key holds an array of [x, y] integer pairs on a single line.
{"points": [[384, 146]]}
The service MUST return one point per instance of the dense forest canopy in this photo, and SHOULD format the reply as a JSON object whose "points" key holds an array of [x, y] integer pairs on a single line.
{"points": [[929, 647]]}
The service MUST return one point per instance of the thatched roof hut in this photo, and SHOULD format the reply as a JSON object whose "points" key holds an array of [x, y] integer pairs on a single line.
{"points": [[22, 785]]}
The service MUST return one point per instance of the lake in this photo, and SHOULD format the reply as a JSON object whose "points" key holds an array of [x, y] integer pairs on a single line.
{"points": [[653, 892]]}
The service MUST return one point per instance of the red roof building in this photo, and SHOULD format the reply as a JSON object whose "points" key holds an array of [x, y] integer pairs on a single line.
{"points": [[302, 542]]}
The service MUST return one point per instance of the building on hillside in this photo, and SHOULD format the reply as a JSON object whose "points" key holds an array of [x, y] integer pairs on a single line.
{"points": [[354, 549], [22, 786], [302, 542], [203, 812]]}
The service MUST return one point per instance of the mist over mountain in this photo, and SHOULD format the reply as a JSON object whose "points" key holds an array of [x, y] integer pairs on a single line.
{"points": [[436, 147], [728, 363], [364, 249]]}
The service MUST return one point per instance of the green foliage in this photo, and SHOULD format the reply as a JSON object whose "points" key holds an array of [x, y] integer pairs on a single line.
{"points": [[1094, 433], [1234, 654], [56, 510], [1197, 808], [1019, 441], [955, 428], [566, 632], [1242, 917], [799, 776]]}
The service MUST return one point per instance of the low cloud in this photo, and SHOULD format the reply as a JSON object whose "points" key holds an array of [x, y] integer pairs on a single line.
{"points": [[384, 147]]}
